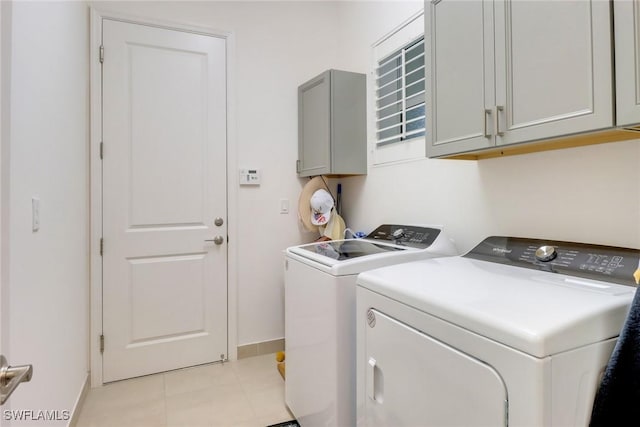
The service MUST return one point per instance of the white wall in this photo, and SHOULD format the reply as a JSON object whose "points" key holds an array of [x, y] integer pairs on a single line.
{"points": [[48, 269], [589, 194], [278, 45]]}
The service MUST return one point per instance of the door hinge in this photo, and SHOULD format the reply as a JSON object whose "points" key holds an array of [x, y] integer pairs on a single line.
{"points": [[101, 54], [101, 343], [297, 166], [101, 150], [101, 246]]}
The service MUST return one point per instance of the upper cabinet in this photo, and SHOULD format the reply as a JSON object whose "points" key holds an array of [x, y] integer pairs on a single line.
{"points": [[459, 53], [505, 72], [332, 129], [627, 47]]}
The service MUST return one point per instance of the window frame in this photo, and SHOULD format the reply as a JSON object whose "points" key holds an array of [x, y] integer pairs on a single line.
{"points": [[400, 37]]}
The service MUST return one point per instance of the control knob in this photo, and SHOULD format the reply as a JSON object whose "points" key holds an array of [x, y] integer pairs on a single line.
{"points": [[546, 253], [398, 233]]}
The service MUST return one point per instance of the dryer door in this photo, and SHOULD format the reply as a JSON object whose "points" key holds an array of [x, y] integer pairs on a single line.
{"points": [[415, 380]]}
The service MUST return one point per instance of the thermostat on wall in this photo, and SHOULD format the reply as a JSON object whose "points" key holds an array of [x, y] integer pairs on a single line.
{"points": [[249, 177]]}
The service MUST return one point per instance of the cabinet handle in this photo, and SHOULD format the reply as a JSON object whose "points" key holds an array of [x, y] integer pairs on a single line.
{"points": [[487, 112], [499, 109]]}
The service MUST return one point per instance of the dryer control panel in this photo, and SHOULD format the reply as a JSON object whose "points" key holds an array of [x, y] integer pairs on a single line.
{"points": [[605, 263], [405, 235]]}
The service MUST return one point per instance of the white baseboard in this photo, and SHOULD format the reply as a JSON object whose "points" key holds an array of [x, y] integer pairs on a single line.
{"points": [[260, 348], [79, 402]]}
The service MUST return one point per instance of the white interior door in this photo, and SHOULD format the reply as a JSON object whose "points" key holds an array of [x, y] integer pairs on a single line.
{"points": [[164, 183]]}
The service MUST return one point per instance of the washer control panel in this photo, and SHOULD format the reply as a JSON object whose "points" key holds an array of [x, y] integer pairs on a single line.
{"points": [[405, 235], [606, 263]]}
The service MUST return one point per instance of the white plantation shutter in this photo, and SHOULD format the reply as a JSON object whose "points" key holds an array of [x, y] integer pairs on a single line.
{"points": [[400, 93]]}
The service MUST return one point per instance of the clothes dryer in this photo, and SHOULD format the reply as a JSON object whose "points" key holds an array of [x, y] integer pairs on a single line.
{"points": [[320, 337], [516, 332]]}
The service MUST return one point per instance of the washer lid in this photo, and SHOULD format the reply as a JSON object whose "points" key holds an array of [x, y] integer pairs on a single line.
{"points": [[346, 249], [388, 244], [537, 312], [350, 257]]}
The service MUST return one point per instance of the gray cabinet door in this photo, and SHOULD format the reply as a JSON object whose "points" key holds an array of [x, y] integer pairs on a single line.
{"points": [[314, 126], [459, 53], [553, 69], [627, 36]]}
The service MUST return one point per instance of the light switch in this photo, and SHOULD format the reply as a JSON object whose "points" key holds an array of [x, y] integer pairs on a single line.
{"points": [[284, 206], [35, 214]]}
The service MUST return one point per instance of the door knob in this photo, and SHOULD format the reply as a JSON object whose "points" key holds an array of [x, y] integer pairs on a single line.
{"points": [[218, 221], [11, 377], [218, 240]]}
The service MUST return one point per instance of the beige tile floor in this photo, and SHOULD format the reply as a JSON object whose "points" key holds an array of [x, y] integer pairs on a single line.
{"points": [[247, 392]]}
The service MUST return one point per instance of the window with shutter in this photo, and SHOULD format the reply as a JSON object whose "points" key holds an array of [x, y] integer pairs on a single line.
{"points": [[398, 102], [400, 94]]}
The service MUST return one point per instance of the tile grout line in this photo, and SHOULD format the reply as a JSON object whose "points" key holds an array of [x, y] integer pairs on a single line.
{"points": [[164, 393]]}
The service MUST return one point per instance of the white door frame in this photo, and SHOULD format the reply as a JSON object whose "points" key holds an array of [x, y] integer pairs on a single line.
{"points": [[5, 122], [95, 165]]}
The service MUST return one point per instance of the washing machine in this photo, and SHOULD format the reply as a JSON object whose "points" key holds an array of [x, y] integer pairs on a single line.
{"points": [[320, 335], [517, 332]]}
